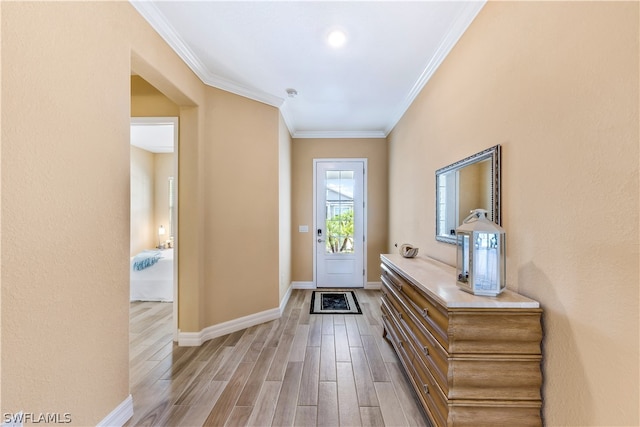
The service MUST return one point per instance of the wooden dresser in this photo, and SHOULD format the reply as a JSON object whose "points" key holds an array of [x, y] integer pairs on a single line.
{"points": [[473, 361]]}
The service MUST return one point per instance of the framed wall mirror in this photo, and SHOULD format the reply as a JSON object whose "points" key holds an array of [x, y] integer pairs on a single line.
{"points": [[471, 183]]}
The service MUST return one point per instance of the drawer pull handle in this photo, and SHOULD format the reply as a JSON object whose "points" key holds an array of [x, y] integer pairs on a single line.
{"points": [[425, 312], [425, 349], [425, 388]]}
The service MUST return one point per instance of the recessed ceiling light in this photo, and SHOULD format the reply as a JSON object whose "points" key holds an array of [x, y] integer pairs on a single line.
{"points": [[336, 38]]}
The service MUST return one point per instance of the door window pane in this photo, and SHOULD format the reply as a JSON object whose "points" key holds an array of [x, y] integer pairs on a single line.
{"points": [[339, 211]]}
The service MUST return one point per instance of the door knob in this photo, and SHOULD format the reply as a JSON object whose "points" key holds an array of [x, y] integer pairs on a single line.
{"points": [[320, 240]]}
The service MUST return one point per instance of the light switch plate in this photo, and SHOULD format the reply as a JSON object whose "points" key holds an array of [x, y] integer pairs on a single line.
{"points": [[303, 228]]}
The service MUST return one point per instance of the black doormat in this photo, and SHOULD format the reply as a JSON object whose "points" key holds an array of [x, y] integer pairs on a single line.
{"points": [[334, 302]]}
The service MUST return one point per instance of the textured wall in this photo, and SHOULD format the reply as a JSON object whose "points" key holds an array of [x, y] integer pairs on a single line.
{"points": [[65, 202], [147, 101], [67, 102], [556, 84], [142, 200], [150, 174], [284, 199], [241, 194], [164, 167], [66, 71]]}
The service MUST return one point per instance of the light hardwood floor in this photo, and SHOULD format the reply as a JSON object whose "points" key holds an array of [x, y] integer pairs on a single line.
{"points": [[299, 370]]}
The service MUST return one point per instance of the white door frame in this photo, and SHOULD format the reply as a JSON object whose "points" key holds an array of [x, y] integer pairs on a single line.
{"points": [[175, 122], [364, 213]]}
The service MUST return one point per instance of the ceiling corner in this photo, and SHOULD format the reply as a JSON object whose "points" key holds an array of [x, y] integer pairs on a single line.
{"points": [[158, 22], [457, 29]]}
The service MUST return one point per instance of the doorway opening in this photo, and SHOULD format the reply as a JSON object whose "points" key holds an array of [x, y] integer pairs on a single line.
{"points": [[340, 222], [154, 213]]}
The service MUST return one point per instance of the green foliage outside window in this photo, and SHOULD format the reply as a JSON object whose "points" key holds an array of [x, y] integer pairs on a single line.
{"points": [[340, 233]]}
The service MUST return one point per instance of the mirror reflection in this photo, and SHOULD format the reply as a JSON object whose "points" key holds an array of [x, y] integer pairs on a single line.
{"points": [[471, 183]]}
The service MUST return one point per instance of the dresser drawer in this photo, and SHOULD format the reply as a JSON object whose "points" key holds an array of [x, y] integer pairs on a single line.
{"points": [[506, 411], [426, 346], [494, 414], [495, 331], [434, 316], [394, 333], [430, 392], [496, 378]]}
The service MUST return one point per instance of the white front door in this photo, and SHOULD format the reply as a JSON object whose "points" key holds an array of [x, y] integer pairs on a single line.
{"points": [[340, 221]]}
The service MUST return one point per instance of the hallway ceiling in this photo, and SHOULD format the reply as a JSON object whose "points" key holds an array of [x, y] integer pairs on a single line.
{"points": [[259, 49], [153, 136]]}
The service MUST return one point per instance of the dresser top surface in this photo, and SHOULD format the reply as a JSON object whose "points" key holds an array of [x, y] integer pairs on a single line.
{"points": [[438, 280]]}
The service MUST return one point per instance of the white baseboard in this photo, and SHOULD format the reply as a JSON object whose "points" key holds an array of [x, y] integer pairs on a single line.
{"points": [[194, 339], [191, 339], [311, 285], [285, 299], [373, 285], [119, 416], [303, 285]]}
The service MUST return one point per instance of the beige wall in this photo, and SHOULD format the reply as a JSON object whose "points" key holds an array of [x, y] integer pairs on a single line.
{"points": [[284, 216], [80, 108], [142, 200], [147, 101], [150, 174], [303, 153], [474, 188], [468, 189], [163, 169], [241, 194], [556, 84], [65, 178]]}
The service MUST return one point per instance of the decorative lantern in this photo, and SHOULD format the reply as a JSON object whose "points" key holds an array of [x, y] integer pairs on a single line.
{"points": [[481, 266]]}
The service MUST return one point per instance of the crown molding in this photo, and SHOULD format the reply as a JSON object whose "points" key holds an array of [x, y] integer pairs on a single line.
{"points": [[302, 134], [373, 134], [256, 95], [288, 118], [156, 19], [448, 42], [158, 22]]}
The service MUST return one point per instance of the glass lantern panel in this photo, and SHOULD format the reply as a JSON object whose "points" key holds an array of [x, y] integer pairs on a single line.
{"points": [[463, 257], [486, 263]]}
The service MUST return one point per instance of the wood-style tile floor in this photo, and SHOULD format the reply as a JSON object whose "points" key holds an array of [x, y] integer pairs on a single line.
{"points": [[299, 370]]}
